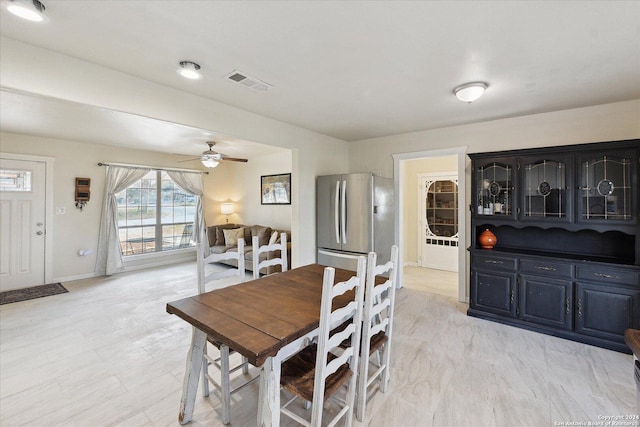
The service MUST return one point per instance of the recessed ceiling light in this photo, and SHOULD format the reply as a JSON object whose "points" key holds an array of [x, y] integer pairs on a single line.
{"points": [[189, 70], [31, 10], [469, 92]]}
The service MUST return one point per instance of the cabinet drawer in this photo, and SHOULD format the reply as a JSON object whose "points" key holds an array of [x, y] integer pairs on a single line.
{"points": [[494, 262], [608, 275], [546, 268]]}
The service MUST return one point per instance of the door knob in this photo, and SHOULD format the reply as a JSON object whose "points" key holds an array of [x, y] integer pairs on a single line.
{"points": [[39, 233]]}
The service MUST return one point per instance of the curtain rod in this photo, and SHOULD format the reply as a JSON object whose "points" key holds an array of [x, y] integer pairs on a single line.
{"points": [[153, 168]]}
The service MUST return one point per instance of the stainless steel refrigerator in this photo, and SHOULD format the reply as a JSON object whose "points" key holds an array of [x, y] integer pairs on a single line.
{"points": [[354, 217]]}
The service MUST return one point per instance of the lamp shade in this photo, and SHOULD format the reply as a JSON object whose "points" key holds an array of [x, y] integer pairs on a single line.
{"points": [[226, 208]]}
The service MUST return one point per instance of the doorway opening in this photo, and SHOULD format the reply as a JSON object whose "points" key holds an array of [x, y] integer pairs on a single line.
{"points": [[450, 281]]}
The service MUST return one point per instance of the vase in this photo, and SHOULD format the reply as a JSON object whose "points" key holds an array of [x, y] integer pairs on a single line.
{"points": [[487, 239]]}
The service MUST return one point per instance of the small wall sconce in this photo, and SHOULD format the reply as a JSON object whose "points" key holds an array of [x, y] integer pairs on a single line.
{"points": [[227, 209], [83, 192]]}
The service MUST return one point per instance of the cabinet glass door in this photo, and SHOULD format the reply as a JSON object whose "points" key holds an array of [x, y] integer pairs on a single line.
{"points": [[544, 189], [494, 189], [606, 188]]}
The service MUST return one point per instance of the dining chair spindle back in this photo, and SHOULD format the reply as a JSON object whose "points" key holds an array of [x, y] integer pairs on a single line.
{"points": [[264, 249], [379, 301], [221, 381], [320, 370]]}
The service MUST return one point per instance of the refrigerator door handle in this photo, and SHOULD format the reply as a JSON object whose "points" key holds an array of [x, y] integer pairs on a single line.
{"points": [[336, 212], [343, 206]]}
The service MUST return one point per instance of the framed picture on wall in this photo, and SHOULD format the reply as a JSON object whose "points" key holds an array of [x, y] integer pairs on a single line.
{"points": [[275, 189]]}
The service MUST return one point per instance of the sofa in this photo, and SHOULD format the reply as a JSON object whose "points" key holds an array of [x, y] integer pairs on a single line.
{"points": [[221, 241]]}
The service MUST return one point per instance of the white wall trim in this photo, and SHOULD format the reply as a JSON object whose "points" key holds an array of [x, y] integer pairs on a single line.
{"points": [[398, 174], [72, 278], [48, 207], [158, 261]]}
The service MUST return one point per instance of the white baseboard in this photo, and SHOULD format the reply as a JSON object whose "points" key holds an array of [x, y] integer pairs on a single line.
{"points": [[138, 264], [72, 278], [410, 264], [159, 261]]}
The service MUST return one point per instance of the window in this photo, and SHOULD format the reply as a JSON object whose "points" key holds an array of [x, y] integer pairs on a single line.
{"points": [[15, 180], [154, 215]]}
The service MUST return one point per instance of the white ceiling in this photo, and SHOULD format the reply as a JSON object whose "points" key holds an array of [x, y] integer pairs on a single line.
{"points": [[352, 69]]}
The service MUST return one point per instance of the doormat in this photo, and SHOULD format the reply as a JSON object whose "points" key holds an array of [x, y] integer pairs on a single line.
{"points": [[16, 295]]}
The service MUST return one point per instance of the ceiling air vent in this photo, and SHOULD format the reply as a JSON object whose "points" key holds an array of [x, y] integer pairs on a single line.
{"points": [[248, 81]]}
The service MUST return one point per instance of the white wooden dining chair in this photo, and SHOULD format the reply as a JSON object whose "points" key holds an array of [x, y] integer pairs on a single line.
{"points": [[317, 372], [379, 301], [265, 249], [222, 381]]}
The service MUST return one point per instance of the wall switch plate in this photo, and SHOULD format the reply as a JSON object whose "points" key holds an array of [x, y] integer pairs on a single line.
{"points": [[61, 211]]}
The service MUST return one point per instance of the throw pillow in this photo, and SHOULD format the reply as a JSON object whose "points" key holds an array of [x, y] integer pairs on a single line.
{"points": [[220, 232], [262, 232], [274, 238], [211, 235], [231, 236]]}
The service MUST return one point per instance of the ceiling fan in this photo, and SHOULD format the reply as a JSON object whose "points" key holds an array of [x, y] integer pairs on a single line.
{"points": [[211, 159]]}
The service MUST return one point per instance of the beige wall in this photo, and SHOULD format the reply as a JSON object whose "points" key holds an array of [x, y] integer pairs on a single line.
{"points": [[77, 229], [412, 168], [606, 122], [83, 82], [242, 187]]}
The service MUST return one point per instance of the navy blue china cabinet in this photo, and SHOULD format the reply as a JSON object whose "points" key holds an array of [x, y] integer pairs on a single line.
{"points": [[567, 257]]}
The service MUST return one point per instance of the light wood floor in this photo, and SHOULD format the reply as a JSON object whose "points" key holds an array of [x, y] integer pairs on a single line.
{"points": [[107, 353], [430, 280]]}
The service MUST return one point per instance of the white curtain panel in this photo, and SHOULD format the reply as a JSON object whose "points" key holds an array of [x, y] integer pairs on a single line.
{"points": [[191, 182], [109, 254]]}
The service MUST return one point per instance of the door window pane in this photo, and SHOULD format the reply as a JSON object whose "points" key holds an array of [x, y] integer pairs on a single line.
{"points": [[15, 180]]}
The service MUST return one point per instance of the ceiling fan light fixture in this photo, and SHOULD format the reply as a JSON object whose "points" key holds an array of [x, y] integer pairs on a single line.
{"points": [[189, 70], [209, 162], [469, 92], [31, 10]]}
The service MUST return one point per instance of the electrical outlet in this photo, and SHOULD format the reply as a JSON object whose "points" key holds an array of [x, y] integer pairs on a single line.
{"points": [[61, 211]]}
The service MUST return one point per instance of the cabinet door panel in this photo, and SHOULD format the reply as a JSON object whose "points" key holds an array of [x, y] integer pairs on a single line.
{"points": [[545, 188], [608, 188], [494, 188], [606, 311], [546, 301], [494, 292]]}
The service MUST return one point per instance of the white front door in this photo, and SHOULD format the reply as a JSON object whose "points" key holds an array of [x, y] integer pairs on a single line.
{"points": [[22, 223]]}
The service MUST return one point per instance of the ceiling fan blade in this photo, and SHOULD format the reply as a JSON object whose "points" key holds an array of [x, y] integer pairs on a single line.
{"points": [[189, 160], [234, 159]]}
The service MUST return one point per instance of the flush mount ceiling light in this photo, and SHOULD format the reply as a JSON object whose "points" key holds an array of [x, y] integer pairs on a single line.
{"points": [[469, 92], [189, 70], [31, 10]]}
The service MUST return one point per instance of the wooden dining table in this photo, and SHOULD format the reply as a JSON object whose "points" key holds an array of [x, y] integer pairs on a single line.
{"points": [[266, 320]]}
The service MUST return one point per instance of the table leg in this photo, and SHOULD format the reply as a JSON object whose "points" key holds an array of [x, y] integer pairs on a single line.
{"points": [[269, 405], [192, 375]]}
